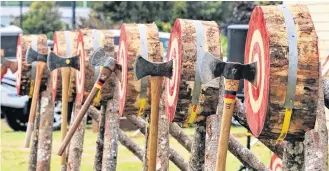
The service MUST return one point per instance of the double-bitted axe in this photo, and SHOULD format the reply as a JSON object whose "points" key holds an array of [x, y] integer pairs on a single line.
{"points": [[55, 62], [211, 68], [157, 71], [39, 60], [109, 66]]}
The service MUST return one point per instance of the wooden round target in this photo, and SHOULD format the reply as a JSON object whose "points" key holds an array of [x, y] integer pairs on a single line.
{"points": [[276, 163], [89, 40], [268, 44], [65, 45], [24, 85], [189, 41], [136, 39]]}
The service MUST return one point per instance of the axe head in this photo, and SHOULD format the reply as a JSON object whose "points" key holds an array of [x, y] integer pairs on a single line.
{"points": [[54, 61], [212, 67], [98, 58], [32, 56], [144, 68]]}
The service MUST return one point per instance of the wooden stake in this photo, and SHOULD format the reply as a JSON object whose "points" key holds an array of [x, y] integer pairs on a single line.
{"points": [[100, 138], [35, 140], [40, 66]]}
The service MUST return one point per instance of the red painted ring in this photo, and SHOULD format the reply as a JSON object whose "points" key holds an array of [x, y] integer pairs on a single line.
{"points": [[257, 49], [172, 85], [19, 59], [80, 74], [54, 73]]}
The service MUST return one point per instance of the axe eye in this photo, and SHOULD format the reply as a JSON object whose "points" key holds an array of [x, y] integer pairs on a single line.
{"points": [[67, 61]]}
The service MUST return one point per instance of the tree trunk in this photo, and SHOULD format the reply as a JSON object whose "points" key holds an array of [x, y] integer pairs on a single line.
{"points": [[197, 155], [76, 144], [316, 140], [35, 139], [162, 163], [293, 156], [100, 138], [46, 131], [112, 121]]}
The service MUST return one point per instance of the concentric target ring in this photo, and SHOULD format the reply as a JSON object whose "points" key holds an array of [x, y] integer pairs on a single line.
{"points": [[276, 163], [80, 74], [19, 64], [257, 50], [172, 85], [122, 60]]}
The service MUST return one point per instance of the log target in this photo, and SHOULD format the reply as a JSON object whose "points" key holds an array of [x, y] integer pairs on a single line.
{"points": [[25, 81], [135, 39], [268, 43], [89, 40], [186, 98], [65, 45]]}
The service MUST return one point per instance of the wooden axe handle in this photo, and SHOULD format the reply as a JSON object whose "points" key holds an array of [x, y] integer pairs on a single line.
{"points": [[40, 66], [77, 121], [156, 83], [65, 99], [231, 87]]}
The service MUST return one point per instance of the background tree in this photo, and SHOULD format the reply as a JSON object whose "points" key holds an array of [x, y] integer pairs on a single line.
{"points": [[43, 17]]}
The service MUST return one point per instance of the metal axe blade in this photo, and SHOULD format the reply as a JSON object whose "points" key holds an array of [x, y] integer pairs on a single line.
{"points": [[32, 55], [207, 67], [144, 68], [98, 58], [54, 62]]}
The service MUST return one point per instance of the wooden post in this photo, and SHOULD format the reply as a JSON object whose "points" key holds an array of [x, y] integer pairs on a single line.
{"points": [[100, 138], [130, 145], [35, 138], [146, 131], [112, 121], [162, 163], [76, 144], [197, 155], [46, 130], [293, 156]]}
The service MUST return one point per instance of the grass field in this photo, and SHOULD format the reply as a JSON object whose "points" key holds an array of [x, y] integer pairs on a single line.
{"points": [[15, 156]]}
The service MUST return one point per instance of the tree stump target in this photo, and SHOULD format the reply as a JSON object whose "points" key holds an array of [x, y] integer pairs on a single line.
{"points": [[65, 45], [189, 40], [268, 43], [136, 39], [24, 85], [89, 40]]}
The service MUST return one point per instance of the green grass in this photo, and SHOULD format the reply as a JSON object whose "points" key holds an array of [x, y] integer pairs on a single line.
{"points": [[14, 155]]}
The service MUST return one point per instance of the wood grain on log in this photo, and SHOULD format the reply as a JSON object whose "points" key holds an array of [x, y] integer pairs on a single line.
{"points": [[45, 130], [183, 50], [267, 40], [129, 47], [100, 118], [35, 139], [76, 144], [197, 156], [24, 71]]}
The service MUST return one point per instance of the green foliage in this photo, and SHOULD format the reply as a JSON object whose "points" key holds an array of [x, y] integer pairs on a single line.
{"points": [[42, 18], [223, 41]]}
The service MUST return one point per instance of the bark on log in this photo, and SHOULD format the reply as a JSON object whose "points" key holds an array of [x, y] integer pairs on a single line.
{"points": [[100, 118], [35, 138], [112, 121], [45, 131], [316, 140], [293, 156], [178, 133], [146, 133], [130, 145], [197, 155], [76, 144], [240, 115], [178, 160], [162, 162]]}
